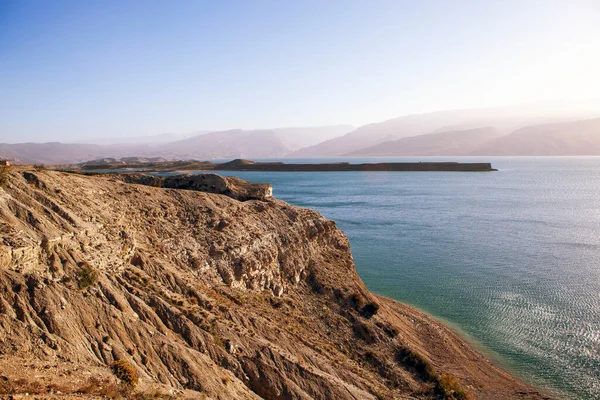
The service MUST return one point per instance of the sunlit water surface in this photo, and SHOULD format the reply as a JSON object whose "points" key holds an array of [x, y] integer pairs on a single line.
{"points": [[511, 258]]}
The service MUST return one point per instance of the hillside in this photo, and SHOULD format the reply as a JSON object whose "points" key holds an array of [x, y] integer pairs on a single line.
{"points": [[204, 296], [574, 138], [454, 143]]}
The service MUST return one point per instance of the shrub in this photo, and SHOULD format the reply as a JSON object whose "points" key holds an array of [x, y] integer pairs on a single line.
{"points": [[39, 167], [364, 332], [4, 172], [314, 283], [417, 362], [355, 300], [126, 372], [87, 276], [447, 387], [370, 309]]}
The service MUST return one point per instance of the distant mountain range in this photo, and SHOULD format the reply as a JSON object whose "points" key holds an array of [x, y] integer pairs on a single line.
{"points": [[260, 143], [237, 143], [510, 131], [452, 143], [573, 138]]}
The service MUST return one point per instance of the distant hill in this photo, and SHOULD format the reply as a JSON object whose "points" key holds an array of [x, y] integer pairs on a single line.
{"points": [[557, 139], [296, 138], [260, 143], [506, 131], [123, 161], [62, 153], [234, 143], [149, 139], [397, 128], [504, 119], [459, 142]]}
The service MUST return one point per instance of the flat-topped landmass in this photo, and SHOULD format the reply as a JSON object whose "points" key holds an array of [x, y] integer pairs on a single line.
{"points": [[247, 165]]}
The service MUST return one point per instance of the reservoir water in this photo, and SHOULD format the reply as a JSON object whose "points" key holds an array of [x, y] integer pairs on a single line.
{"points": [[510, 258]]}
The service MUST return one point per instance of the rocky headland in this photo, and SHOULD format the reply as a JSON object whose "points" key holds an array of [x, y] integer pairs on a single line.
{"points": [[130, 286]]}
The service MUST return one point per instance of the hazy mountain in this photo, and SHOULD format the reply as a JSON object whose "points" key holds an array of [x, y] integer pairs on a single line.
{"points": [[62, 153], [565, 138], [152, 139], [236, 143], [296, 138], [506, 131], [504, 119], [459, 142], [260, 143]]}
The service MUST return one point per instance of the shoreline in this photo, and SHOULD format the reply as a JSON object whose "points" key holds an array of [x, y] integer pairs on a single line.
{"points": [[492, 358], [479, 358]]}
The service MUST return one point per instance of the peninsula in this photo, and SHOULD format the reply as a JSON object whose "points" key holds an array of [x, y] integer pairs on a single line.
{"points": [[247, 165], [194, 287]]}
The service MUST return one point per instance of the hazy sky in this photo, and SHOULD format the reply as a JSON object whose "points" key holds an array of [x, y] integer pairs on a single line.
{"points": [[71, 70]]}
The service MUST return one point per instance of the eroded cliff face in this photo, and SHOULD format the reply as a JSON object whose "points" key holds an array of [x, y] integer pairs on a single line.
{"points": [[205, 296]]}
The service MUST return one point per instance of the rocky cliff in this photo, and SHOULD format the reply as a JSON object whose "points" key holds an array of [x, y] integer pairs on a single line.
{"points": [[202, 295]]}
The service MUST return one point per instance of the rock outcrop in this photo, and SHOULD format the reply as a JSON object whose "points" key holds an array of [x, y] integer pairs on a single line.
{"points": [[230, 186], [205, 296]]}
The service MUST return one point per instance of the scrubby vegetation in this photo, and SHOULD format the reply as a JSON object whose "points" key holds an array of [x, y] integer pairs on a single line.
{"points": [[126, 372], [364, 332], [416, 362], [87, 276], [355, 300], [4, 174], [39, 167], [370, 309], [447, 387]]}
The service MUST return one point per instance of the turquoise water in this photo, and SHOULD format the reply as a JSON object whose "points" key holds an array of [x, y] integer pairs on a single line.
{"points": [[512, 258]]}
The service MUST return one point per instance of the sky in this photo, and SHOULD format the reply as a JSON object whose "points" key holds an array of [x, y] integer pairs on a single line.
{"points": [[75, 70]]}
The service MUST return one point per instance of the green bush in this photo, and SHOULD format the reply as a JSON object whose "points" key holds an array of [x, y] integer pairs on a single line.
{"points": [[126, 372], [87, 276]]}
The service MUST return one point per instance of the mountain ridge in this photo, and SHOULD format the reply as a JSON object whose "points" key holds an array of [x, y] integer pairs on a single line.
{"points": [[456, 143], [508, 131]]}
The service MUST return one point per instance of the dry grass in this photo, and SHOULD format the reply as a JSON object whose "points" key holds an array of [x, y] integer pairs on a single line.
{"points": [[416, 362], [448, 387]]}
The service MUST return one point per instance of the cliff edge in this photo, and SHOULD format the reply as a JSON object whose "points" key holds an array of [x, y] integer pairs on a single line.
{"points": [[201, 295]]}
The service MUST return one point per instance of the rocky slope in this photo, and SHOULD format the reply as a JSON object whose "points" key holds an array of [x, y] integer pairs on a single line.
{"points": [[204, 296]]}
